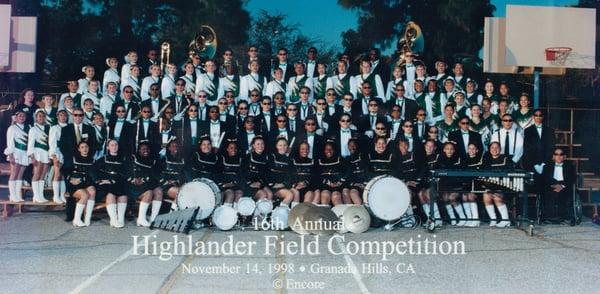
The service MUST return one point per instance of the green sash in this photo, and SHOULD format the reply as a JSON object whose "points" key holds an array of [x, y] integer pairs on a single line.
{"points": [[421, 100], [371, 80], [321, 87], [212, 89], [343, 86], [236, 85], [296, 90]]}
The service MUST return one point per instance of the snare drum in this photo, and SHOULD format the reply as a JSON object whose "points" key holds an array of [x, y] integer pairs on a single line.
{"points": [[386, 197], [202, 193], [264, 206], [225, 218], [246, 206], [279, 217]]}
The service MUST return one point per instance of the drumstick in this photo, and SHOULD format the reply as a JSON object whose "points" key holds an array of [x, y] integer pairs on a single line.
{"points": [[220, 139]]}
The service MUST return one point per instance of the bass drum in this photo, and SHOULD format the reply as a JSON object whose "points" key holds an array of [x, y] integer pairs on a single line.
{"points": [[202, 193], [225, 218], [246, 206], [386, 197]]}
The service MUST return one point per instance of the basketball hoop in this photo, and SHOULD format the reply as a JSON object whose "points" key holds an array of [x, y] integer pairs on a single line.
{"points": [[557, 55]]}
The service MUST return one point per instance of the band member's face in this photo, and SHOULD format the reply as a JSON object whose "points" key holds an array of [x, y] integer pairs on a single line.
{"points": [[507, 122], [470, 88], [408, 57], [407, 127], [365, 67], [418, 87], [449, 111], [380, 129], [431, 87], [345, 122], [421, 115], [281, 122], [366, 90], [77, 116], [380, 145], [303, 150], [279, 101], [133, 57], [213, 114], [330, 96], [152, 54], [120, 112], [475, 111], [311, 54], [231, 149], [495, 149], [229, 98], [228, 56], [135, 71], [292, 111], [432, 133], [88, 105], [98, 120], [440, 67], [254, 67], [243, 109], [222, 104], [113, 63], [328, 152], [193, 112], [249, 125], [90, 72], [347, 101], [489, 87], [472, 150], [373, 55], [266, 105], [112, 89], [48, 100], [29, 96], [486, 105], [93, 87], [253, 52], [373, 107], [205, 146], [524, 101], [395, 113], [196, 60], [173, 148], [282, 56], [352, 147], [558, 156], [502, 107], [458, 69], [449, 150], [62, 117], [258, 146], [146, 112], [113, 147], [538, 117], [321, 69], [420, 71], [201, 97], [155, 71], [154, 91], [281, 147], [210, 66], [503, 90], [172, 69], [68, 103], [299, 69], [169, 113], [310, 125], [127, 93], [400, 91], [341, 67], [403, 147], [144, 150], [459, 99], [189, 69], [429, 147], [397, 73], [278, 75], [449, 86], [40, 118], [83, 149], [321, 105], [73, 87]]}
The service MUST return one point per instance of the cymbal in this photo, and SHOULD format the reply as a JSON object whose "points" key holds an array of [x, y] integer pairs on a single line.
{"points": [[356, 219], [322, 220], [296, 215]]}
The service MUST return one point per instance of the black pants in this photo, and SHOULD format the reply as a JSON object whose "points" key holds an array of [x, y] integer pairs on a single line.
{"points": [[557, 205]]}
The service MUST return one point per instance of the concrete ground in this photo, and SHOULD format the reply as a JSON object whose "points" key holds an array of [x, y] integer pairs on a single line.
{"points": [[40, 253]]}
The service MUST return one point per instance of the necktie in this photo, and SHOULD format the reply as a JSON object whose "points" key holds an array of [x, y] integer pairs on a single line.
{"points": [[507, 144], [77, 134]]}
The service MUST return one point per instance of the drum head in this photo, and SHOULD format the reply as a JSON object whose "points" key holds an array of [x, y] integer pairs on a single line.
{"points": [[215, 188], [197, 194], [246, 206], [225, 218], [279, 217], [387, 197], [264, 206]]}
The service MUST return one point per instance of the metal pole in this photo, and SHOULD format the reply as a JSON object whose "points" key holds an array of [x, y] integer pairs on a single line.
{"points": [[536, 88]]}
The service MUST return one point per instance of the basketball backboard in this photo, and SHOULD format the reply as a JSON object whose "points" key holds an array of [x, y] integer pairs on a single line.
{"points": [[530, 30]]}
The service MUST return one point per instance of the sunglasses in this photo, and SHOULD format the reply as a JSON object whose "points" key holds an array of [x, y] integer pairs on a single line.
{"points": [[120, 111], [281, 54], [380, 129], [321, 103], [266, 103], [278, 98], [372, 105], [80, 114], [345, 120], [166, 112], [399, 90], [348, 99], [145, 111], [559, 154], [408, 126], [303, 92], [420, 114], [309, 124], [254, 95], [433, 132], [292, 109], [464, 122], [180, 84], [330, 94], [201, 96], [153, 89], [242, 108], [366, 87], [252, 50], [281, 120], [229, 96], [228, 54], [193, 110], [127, 91], [222, 103], [507, 120]]}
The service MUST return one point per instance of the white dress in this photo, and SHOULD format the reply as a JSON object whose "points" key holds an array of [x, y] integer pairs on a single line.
{"points": [[37, 143], [16, 143]]}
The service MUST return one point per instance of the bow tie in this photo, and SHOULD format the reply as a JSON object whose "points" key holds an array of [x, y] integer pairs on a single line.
{"points": [[266, 114], [310, 134], [193, 119], [465, 132], [311, 62], [539, 127], [120, 120], [558, 164], [345, 130], [408, 136], [410, 65], [283, 64], [282, 130], [146, 121], [396, 121]]}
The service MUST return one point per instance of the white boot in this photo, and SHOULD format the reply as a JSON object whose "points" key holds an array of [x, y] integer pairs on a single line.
{"points": [[141, 219], [426, 209], [174, 206], [38, 194], [41, 186], [89, 208], [492, 214], [467, 208], [235, 205], [63, 191], [461, 215], [156, 204], [294, 203], [121, 209], [228, 204], [78, 212], [111, 209], [437, 216], [12, 191], [19, 191], [451, 214], [56, 192], [474, 214], [504, 214]]}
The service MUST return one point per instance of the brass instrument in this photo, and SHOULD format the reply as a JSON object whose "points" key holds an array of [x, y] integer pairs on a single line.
{"points": [[412, 41], [165, 54], [204, 43]]}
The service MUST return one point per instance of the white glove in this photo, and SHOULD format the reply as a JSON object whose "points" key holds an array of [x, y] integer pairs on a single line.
{"points": [[369, 133], [162, 152], [178, 116], [319, 132], [325, 126]]}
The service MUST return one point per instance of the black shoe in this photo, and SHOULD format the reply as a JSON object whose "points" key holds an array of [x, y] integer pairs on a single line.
{"points": [[572, 223]]}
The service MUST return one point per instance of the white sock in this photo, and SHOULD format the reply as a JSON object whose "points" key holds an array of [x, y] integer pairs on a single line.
{"points": [[34, 189], [450, 213], [491, 212], [156, 204], [228, 204], [121, 208], [436, 211], [467, 208], [111, 209], [41, 185], [78, 212], [294, 203], [63, 190], [12, 193], [19, 190], [426, 209], [474, 211], [89, 208], [56, 191], [503, 212], [143, 210]]}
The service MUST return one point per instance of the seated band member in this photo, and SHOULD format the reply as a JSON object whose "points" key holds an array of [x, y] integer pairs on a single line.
{"points": [[143, 183], [255, 167], [380, 158], [303, 175], [111, 183], [449, 159], [430, 160], [37, 150], [172, 176], [80, 183], [230, 180], [558, 178], [495, 160], [406, 167], [474, 160], [332, 172], [280, 168], [357, 176], [204, 161]]}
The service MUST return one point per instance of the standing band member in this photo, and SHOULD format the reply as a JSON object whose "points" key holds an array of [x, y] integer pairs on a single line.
{"points": [[37, 150], [16, 154]]}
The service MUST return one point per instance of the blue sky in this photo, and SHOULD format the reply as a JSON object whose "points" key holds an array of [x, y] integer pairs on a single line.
{"points": [[326, 20]]}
